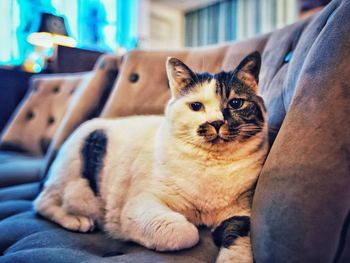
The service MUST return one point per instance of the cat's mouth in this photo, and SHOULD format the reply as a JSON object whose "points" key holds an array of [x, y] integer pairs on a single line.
{"points": [[213, 136], [218, 138]]}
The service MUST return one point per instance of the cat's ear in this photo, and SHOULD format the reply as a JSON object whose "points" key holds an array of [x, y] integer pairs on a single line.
{"points": [[249, 68], [180, 76]]}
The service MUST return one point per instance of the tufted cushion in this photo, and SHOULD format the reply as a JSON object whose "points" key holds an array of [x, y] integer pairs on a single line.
{"points": [[38, 116], [51, 96], [49, 107], [302, 201], [142, 85], [87, 104]]}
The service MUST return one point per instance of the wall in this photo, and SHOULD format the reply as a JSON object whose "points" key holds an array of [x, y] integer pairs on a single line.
{"points": [[160, 26]]}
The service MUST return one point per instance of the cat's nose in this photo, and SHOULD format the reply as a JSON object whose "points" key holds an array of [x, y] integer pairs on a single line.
{"points": [[217, 125]]}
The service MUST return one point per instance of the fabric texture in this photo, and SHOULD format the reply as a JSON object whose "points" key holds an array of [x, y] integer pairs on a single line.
{"points": [[37, 240], [54, 106], [301, 206], [38, 116], [17, 168]]}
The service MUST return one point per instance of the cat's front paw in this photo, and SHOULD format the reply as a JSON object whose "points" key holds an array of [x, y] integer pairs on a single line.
{"points": [[176, 236], [78, 223]]}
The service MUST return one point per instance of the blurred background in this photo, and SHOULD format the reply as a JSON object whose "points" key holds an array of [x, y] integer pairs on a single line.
{"points": [[34, 31]]}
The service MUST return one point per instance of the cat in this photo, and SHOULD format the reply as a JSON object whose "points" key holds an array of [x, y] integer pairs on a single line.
{"points": [[153, 179]]}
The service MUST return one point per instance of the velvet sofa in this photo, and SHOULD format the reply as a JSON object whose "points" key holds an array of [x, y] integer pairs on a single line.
{"points": [[302, 200]]}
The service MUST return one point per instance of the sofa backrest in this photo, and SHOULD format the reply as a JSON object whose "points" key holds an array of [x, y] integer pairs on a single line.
{"points": [[88, 104], [55, 105], [142, 85], [38, 116], [302, 200]]}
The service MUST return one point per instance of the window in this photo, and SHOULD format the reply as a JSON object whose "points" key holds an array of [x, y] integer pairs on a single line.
{"points": [[95, 24]]}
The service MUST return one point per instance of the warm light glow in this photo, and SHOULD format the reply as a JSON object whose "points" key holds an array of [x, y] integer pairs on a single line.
{"points": [[40, 39], [44, 39], [64, 40]]}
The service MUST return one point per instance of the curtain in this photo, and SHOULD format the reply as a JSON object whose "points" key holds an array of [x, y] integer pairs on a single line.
{"points": [[237, 19]]}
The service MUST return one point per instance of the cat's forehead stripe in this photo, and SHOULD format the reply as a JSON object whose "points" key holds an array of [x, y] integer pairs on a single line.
{"points": [[196, 80], [223, 84]]}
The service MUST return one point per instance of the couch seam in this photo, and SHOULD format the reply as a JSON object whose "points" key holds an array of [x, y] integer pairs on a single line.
{"points": [[342, 239]]}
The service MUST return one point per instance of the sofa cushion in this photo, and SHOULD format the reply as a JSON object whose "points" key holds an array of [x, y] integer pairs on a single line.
{"points": [[20, 192], [25, 237], [302, 201], [276, 60], [13, 207], [37, 117], [142, 86], [16, 168], [88, 102]]}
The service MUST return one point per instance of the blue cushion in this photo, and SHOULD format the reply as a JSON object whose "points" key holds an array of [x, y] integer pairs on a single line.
{"points": [[26, 237]]}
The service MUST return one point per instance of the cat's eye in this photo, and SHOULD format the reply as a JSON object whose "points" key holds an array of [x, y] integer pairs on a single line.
{"points": [[196, 106], [236, 103]]}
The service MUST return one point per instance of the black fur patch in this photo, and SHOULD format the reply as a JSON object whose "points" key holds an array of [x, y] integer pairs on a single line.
{"points": [[230, 229], [228, 86], [195, 80], [93, 152]]}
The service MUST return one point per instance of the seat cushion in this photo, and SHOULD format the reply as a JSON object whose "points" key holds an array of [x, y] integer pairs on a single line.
{"points": [[12, 207], [16, 168], [20, 192], [26, 237]]}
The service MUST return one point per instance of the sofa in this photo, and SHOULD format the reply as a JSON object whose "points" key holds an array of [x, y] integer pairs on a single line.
{"points": [[301, 206]]}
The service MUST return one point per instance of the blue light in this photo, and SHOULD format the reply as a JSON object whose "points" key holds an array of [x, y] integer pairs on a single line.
{"points": [[37, 68], [288, 57], [21, 17]]}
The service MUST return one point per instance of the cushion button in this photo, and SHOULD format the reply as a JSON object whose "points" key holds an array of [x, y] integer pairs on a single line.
{"points": [[30, 115], [50, 120], [134, 77], [56, 89]]}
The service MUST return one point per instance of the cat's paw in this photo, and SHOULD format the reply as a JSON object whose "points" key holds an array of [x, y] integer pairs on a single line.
{"points": [[78, 223], [176, 236], [228, 256], [239, 252]]}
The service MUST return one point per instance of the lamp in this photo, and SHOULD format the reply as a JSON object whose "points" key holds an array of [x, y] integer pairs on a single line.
{"points": [[52, 30]]}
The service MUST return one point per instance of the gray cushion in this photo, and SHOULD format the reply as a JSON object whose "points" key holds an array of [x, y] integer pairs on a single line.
{"points": [[16, 168], [302, 201], [26, 237]]}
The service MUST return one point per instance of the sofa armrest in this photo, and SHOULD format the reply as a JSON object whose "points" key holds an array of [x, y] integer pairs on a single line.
{"points": [[302, 201]]}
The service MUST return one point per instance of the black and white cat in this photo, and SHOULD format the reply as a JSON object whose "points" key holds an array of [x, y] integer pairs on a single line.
{"points": [[153, 179]]}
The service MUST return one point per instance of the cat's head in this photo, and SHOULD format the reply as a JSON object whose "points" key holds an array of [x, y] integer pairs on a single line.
{"points": [[214, 109]]}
